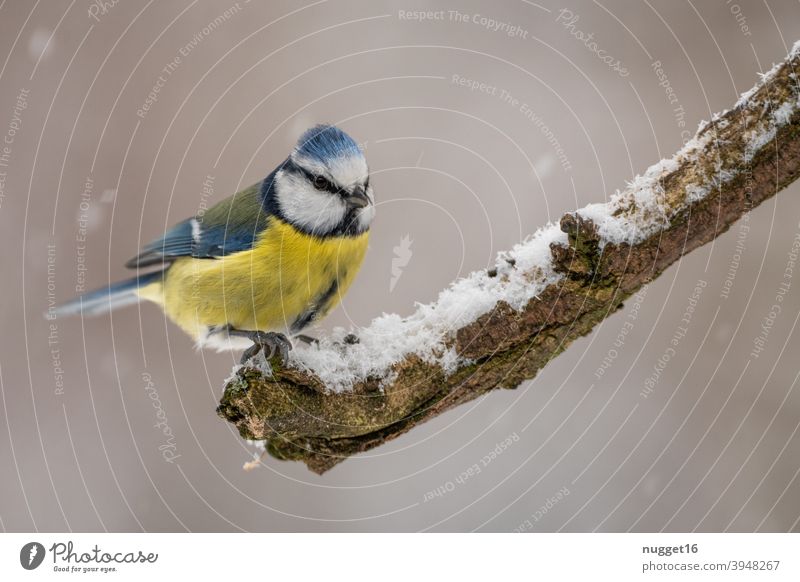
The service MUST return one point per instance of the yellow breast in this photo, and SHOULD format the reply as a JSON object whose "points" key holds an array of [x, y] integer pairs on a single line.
{"points": [[284, 282]]}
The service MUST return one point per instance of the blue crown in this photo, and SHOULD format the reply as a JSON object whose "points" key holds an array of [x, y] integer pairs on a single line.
{"points": [[323, 142]]}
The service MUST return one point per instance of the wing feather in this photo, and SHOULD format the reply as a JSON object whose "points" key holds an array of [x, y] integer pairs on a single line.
{"points": [[228, 227]]}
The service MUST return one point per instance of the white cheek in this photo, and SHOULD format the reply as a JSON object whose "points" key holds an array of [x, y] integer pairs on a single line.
{"points": [[365, 218], [306, 206]]}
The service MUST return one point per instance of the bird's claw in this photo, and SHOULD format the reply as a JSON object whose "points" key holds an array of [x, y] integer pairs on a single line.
{"points": [[271, 342]]}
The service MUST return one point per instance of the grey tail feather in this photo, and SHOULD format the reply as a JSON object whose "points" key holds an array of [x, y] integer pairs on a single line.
{"points": [[103, 300]]}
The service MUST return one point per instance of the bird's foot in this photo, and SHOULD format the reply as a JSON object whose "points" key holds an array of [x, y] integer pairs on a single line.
{"points": [[271, 342]]}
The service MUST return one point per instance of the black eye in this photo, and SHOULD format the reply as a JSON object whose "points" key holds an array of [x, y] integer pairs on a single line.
{"points": [[320, 183]]}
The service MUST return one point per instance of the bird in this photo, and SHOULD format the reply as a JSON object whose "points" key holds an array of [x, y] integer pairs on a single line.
{"points": [[262, 265]]}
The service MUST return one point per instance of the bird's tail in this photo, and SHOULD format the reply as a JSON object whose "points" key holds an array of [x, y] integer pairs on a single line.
{"points": [[102, 300]]}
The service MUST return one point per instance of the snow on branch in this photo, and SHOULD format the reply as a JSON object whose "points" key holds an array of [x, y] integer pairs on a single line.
{"points": [[499, 327]]}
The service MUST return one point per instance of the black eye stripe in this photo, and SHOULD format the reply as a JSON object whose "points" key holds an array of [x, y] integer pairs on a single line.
{"points": [[330, 187]]}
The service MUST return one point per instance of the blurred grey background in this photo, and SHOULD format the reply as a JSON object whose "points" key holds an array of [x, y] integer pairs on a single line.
{"points": [[94, 168]]}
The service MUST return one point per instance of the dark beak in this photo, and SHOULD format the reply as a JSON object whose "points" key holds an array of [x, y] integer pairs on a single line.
{"points": [[358, 199]]}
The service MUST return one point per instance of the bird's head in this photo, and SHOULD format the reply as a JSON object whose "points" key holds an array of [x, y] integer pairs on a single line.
{"points": [[323, 188]]}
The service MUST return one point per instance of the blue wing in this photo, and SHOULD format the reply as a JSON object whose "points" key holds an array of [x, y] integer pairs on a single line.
{"points": [[228, 227]]}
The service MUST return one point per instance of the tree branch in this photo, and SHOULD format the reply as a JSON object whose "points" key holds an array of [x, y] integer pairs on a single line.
{"points": [[736, 161]]}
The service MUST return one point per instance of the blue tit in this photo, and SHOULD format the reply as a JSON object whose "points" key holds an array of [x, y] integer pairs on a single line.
{"points": [[264, 263]]}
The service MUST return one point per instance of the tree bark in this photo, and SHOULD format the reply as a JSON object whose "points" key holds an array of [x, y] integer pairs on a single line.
{"points": [[739, 161]]}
